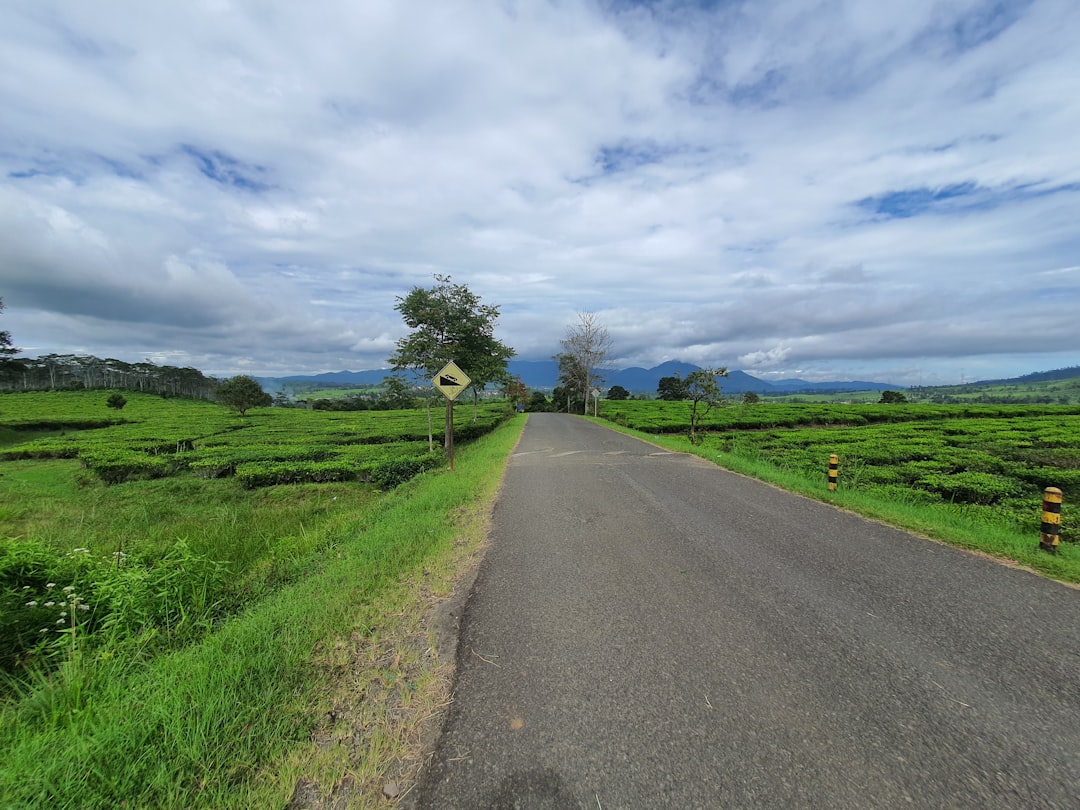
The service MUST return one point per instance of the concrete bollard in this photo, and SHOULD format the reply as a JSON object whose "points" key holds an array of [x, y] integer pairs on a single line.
{"points": [[834, 471], [1050, 536]]}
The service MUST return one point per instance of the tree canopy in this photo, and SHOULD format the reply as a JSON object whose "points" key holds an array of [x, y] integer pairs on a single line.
{"points": [[617, 392], [672, 389], [448, 322], [241, 393]]}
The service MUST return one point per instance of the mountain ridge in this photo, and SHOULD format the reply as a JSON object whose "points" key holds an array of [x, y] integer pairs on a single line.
{"points": [[544, 374]]}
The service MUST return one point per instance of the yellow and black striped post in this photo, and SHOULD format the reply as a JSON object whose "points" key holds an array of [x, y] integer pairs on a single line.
{"points": [[1051, 520], [834, 471]]}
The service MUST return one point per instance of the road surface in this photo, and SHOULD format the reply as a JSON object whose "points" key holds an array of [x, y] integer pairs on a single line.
{"points": [[647, 630]]}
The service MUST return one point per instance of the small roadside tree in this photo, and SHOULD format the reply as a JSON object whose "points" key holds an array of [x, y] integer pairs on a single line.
{"points": [[241, 393], [587, 346], [517, 392], [448, 322], [618, 393], [397, 393], [703, 391]]}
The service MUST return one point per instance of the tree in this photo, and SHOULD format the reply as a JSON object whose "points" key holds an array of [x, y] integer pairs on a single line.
{"points": [[241, 393], [672, 389], [538, 403], [586, 347], [516, 391], [570, 379], [892, 398], [8, 363], [703, 391], [617, 392], [448, 322], [116, 401], [397, 393], [750, 398]]}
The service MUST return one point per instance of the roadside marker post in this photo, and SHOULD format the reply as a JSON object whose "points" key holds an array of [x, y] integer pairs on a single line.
{"points": [[451, 381], [834, 471], [1050, 535]]}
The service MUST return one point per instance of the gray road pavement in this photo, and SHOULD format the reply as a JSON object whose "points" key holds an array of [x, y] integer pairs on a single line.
{"points": [[649, 631]]}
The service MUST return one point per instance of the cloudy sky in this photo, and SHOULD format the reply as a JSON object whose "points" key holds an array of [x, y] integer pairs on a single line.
{"points": [[815, 188]]}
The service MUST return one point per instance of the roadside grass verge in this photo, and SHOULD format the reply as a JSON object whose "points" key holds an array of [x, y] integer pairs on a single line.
{"points": [[245, 717], [956, 524]]}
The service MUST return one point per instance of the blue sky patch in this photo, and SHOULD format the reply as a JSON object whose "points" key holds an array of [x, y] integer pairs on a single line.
{"points": [[911, 202], [225, 169]]}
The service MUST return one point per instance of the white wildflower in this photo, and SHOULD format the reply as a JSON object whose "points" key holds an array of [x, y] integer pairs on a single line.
{"points": [[49, 604], [32, 603]]}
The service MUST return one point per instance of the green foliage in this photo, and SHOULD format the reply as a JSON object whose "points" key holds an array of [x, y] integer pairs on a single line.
{"points": [[450, 323], [241, 393], [703, 390], [397, 393], [538, 403], [116, 401], [618, 393], [395, 472], [671, 389], [750, 398], [189, 727], [892, 397]]}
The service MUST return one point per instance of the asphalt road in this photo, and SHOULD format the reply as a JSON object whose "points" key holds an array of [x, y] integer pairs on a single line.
{"points": [[649, 631]]}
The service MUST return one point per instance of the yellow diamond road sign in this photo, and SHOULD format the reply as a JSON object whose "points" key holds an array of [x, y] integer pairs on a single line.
{"points": [[451, 381]]}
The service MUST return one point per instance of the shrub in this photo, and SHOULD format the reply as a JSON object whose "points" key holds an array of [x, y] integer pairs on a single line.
{"points": [[970, 487], [389, 474]]}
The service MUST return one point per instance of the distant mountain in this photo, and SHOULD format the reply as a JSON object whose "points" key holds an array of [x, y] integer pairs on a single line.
{"points": [[544, 374]]}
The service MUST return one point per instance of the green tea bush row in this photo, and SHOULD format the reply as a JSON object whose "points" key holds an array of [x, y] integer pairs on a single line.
{"points": [[270, 473], [118, 466]]}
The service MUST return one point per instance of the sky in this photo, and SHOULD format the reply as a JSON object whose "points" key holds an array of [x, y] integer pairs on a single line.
{"points": [[822, 189]]}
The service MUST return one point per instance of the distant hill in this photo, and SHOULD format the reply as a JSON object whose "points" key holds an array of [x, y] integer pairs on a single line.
{"points": [[544, 374], [1038, 376]]}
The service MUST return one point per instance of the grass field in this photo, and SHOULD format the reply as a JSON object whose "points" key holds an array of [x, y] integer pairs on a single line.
{"points": [[173, 640]]}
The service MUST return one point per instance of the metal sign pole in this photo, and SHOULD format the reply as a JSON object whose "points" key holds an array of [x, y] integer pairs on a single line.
{"points": [[450, 429], [451, 381]]}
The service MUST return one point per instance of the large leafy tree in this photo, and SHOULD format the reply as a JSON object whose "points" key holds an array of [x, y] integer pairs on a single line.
{"points": [[672, 389], [586, 348], [241, 393], [449, 322]]}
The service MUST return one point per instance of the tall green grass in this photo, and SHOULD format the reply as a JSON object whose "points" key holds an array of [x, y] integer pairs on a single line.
{"points": [[209, 725]]}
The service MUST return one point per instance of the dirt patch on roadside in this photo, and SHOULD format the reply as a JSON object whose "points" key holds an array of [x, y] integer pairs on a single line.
{"points": [[392, 685]]}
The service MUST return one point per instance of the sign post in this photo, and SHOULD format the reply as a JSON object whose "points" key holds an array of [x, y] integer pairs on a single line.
{"points": [[451, 381]]}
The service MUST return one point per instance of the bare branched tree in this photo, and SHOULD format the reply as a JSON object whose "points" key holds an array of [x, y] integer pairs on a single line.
{"points": [[586, 347]]}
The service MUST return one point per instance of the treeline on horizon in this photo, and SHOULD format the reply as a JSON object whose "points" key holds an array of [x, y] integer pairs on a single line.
{"points": [[59, 372]]}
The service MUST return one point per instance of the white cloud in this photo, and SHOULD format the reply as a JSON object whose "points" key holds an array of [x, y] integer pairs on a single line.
{"points": [[800, 186]]}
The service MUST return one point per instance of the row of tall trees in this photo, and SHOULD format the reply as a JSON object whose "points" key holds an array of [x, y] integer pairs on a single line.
{"points": [[64, 371]]}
